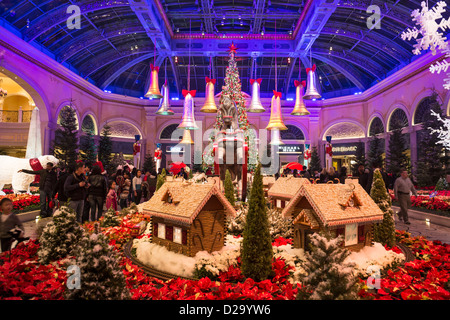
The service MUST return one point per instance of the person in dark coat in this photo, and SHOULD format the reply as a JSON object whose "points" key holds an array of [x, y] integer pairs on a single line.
{"points": [[47, 183], [96, 193], [342, 174], [365, 178], [75, 188], [59, 188]]}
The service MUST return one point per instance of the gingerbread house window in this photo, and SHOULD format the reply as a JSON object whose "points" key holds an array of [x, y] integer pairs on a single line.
{"points": [[177, 235], [161, 230]]}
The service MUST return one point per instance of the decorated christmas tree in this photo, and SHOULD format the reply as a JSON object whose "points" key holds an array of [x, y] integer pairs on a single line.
{"points": [[376, 150], [102, 277], [65, 144], [105, 148], [232, 88], [256, 248], [88, 148], [429, 166], [328, 277], [229, 188], [59, 236], [315, 161], [383, 232], [396, 157]]}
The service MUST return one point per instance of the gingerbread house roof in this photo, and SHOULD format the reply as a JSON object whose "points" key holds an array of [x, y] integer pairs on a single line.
{"points": [[186, 201], [337, 204], [287, 187]]}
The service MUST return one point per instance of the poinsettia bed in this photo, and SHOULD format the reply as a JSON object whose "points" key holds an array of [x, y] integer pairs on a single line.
{"points": [[426, 277]]}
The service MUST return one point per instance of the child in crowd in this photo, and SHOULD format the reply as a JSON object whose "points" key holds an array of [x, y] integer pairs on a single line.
{"points": [[111, 198], [8, 222], [125, 193]]}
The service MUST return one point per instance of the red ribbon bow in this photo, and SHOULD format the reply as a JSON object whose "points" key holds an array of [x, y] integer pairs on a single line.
{"points": [[213, 81], [257, 80], [152, 67], [277, 94], [297, 83], [192, 92], [313, 69]]}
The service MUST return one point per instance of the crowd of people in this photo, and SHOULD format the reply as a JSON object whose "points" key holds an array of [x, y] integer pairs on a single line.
{"points": [[91, 190]]}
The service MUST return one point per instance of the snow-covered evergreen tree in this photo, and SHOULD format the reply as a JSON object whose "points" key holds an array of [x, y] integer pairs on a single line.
{"points": [[279, 225], [110, 219], [328, 277], [383, 232], [101, 274], [59, 236]]}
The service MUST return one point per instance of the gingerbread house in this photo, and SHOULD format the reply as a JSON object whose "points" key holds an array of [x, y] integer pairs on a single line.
{"points": [[344, 209], [284, 189], [268, 182], [187, 217]]}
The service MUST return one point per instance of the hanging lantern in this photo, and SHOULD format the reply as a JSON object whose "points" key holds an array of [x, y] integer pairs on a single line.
{"points": [[275, 138], [153, 90], [188, 120], [187, 138], [164, 104], [255, 104], [311, 91], [210, 104], [276, 120], [299, 107]]}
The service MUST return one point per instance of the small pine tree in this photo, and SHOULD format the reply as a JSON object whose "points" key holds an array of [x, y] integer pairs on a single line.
{"points": [[328, 277], [360, 158], [65, 144], [256, 247], [430, 165], [149, 163], [59, 236], [110, 219], [315, 161], [161, 179], [396, 157], [101, 275], [105, 148], [89, 149], [376, 150], [442, 184], [383, 232], [229, 188]]}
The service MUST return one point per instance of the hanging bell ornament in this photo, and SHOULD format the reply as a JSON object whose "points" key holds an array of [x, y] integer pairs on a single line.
{"points": [[186, 138], [255, 104], [276, 120], [311, 91], [153, 90], [275, 138], [164, 104], [299, 107], [210, 104], [188, 120]]}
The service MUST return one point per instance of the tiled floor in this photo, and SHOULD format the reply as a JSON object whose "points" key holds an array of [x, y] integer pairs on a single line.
{"points": [[423, 228], [417, 227]]}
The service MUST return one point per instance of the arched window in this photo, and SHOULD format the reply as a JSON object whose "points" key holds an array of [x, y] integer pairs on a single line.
{"points": [[423, 110], [64, 111], [398, 120], [171, 131], [376, 127], [122, 129], [292, 133], [344, 130], [88, 125]]}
